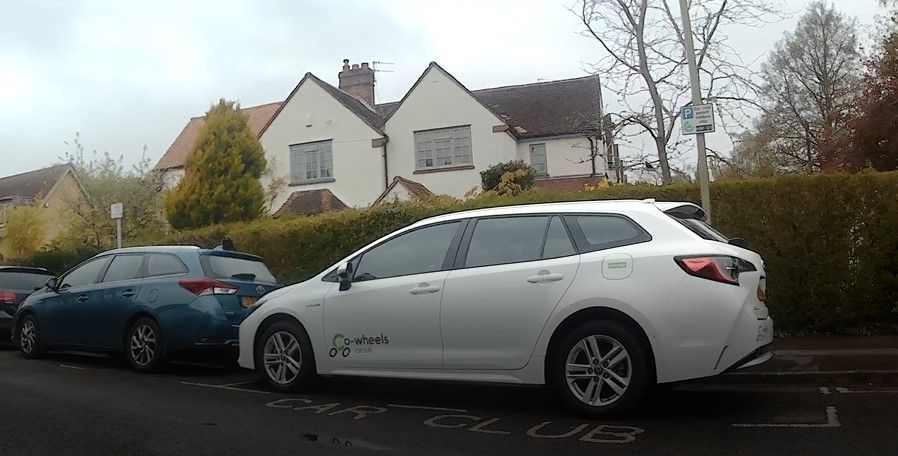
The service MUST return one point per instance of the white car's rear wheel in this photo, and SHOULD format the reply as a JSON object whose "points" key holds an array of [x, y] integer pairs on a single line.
{"points": [[598, 370], [601, 369]]}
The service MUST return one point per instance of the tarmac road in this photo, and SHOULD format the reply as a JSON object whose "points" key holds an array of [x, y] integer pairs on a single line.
{"points": [[74, 404]]}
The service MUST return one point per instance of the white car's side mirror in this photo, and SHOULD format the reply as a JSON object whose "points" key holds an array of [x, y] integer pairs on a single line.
{"points": [[344, 275]]}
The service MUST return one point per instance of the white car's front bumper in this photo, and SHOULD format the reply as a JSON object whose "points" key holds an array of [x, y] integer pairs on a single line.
{"points": [[247, 334]]}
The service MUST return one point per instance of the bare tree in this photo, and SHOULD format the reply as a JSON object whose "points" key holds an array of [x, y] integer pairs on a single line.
{"points": [[811, 80], [645, 61]]}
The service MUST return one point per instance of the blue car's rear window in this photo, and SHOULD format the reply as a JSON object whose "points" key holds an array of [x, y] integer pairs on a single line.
{"points": [[227, 267]]}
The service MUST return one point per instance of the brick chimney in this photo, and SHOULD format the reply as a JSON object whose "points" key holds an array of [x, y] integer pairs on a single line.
{"points": [[358, 81]]}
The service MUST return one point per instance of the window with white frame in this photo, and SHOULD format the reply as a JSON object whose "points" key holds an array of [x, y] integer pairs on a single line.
{"points": [[538, 159], [443, 148], [311, 162]]}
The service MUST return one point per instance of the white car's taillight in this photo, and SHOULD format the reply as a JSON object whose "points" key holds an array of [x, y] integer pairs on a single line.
{"points": [[719, 268]]}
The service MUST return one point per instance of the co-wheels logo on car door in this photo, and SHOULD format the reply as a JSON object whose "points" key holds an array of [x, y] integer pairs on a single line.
{"points": [[345, 345]]}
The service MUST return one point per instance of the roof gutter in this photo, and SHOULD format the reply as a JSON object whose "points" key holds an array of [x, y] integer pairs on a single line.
{"points": [[382, 143], [386, 168]]}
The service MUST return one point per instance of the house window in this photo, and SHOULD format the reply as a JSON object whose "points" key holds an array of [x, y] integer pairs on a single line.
{"points": [[538, 159], [443, 148], [311, 162]]}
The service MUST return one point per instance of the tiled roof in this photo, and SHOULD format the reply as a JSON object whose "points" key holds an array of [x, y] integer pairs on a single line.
{"points": [[33, 184], [309, 202], [385, 109], [176, 155], [417, 189], [567, 183], [553, 108]]}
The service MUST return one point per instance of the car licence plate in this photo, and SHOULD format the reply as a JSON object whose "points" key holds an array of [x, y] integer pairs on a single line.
{"points": [[249, 300]]}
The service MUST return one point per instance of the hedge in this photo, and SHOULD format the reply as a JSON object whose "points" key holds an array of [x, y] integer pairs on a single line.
{"points": [[830, 242]]}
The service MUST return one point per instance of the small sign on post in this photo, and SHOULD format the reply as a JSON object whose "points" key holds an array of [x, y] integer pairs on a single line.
{"points": [[116, 211], [697, 119]]}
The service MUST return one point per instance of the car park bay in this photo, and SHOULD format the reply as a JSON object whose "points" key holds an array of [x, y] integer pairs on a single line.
{"points": [[100, 406]]}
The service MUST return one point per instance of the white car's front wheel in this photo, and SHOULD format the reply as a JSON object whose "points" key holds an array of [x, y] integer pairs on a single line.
{"points": [[601, 369], [284, 356]]}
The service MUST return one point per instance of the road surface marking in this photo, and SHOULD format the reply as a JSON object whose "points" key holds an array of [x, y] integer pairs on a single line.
{"points": [[841, 390], [229, 388], [832, 421], [825, 390], [71, 367], [239, 383], [422, 407]]}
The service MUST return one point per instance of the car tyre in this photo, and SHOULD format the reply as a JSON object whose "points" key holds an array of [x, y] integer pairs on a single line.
{"points": [[144, 348], [29, 342], [601, 369], [284, 357]]}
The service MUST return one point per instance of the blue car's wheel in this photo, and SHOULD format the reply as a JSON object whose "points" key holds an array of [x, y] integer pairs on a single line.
{"points": [[29, 338], [143, 345]]}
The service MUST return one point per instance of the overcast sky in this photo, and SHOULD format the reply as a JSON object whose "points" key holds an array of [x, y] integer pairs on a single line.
{"points": [[127, 76]]}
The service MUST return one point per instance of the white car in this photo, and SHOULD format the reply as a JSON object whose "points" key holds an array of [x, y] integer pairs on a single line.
{"points": [[599, 299]]}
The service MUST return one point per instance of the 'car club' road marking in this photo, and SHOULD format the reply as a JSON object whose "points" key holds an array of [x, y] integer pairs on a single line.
{"points": [[461, 420], [229, 387], [832, 421]]}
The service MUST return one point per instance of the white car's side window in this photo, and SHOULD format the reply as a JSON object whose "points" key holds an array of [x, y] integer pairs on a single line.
{"points": [[558, 242], [506, 240], [416, 252], [605, 231]]}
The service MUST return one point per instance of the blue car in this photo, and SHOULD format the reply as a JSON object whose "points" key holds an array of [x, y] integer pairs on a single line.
{"points": [[146, 303]]}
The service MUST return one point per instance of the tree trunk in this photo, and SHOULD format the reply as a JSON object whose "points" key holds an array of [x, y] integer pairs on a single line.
{"points": [[593, 151]]}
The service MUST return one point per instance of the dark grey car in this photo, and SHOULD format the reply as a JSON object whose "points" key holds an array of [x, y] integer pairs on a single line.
{"points": [[16, 283]]}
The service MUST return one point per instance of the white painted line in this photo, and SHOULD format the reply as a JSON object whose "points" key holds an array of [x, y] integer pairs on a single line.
{"points": [[422, 407], [229, 388], [839, 352], [239, 383], [841, 390], [71, 367], [790, 373], [832, 421]]}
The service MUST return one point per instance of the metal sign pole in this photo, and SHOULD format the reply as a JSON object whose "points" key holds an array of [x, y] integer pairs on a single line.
{"points": [[703, 179], [118, 232]]}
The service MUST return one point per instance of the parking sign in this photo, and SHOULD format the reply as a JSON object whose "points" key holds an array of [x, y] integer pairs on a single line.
{"points": [[697, 119]]}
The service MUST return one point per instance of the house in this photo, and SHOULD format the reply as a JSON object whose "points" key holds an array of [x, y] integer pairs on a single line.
{"points": [[50, 189], [436, 139]]}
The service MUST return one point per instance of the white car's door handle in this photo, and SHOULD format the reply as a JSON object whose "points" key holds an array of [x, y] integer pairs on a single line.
{"points": [[424, 288], [545, 276]]}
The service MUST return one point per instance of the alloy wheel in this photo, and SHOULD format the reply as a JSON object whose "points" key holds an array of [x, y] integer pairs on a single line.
{"points": [[282, 357], [598, 370], [29, 336], [142, 345]]}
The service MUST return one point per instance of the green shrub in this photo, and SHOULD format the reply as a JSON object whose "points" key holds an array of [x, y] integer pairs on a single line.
{"points": [[59, 260], [829, 242], [492, 176]]}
